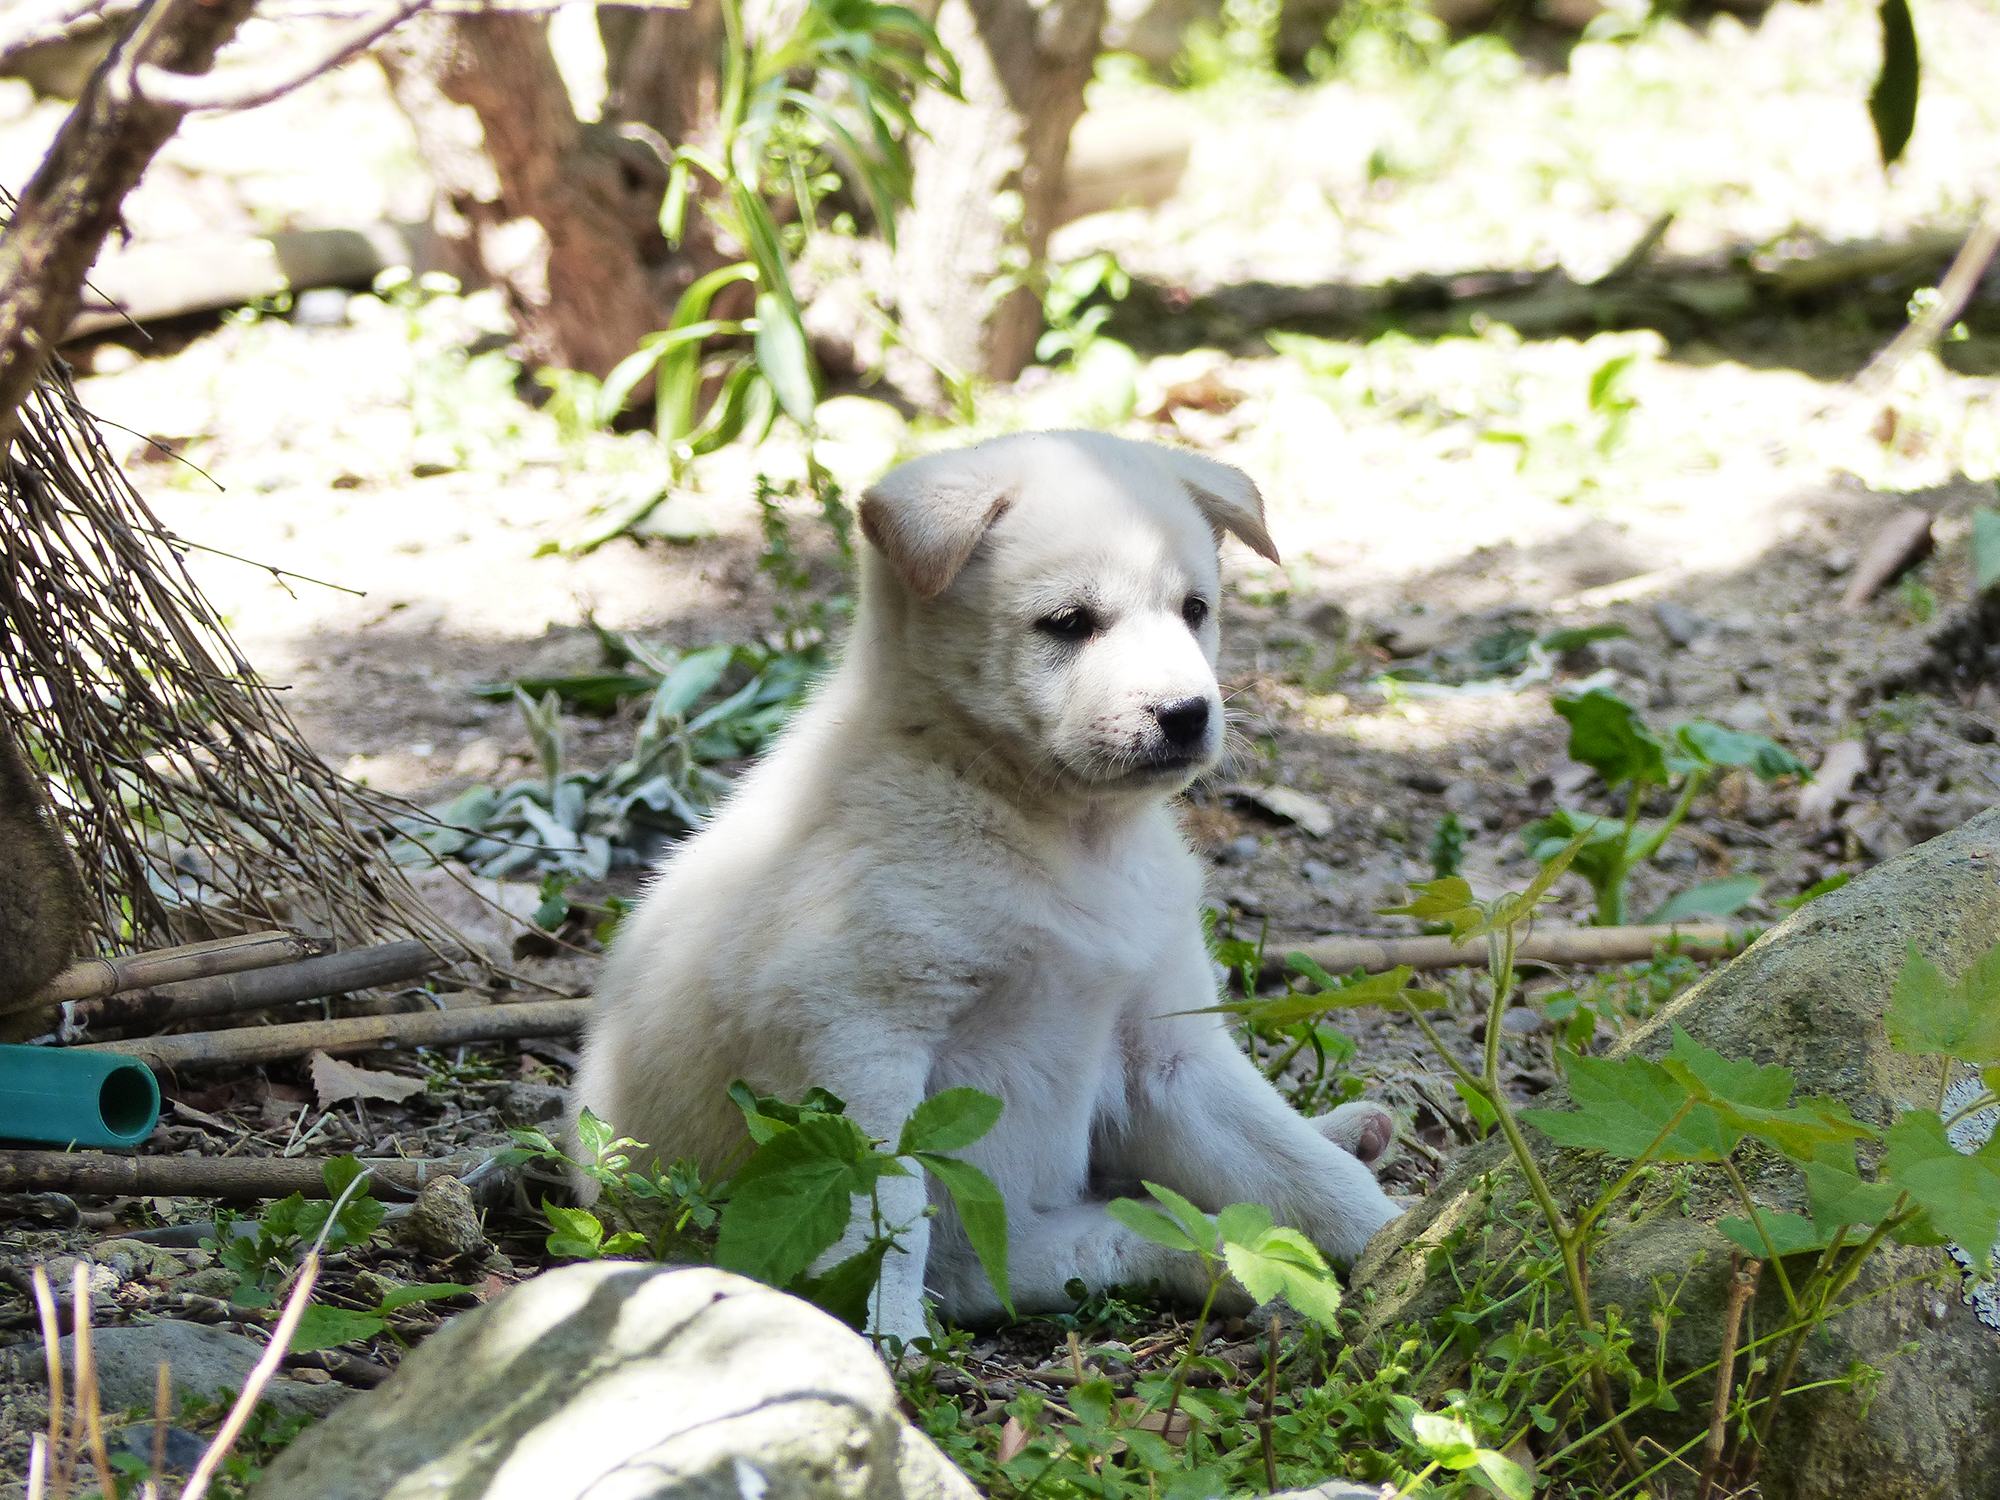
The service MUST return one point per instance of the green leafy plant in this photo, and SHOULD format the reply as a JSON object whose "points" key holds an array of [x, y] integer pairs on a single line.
{"points": [[836, 88], [326, 1327], [789, 1201], [262, 1252], [581, 823], [1608, 735], [1695, 1106]]}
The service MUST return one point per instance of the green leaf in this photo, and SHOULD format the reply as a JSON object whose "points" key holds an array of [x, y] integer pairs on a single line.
{"points": [[1446, 1441], [1504, 1476], [983, 1213], [1289, 1010], [1606, 735], [1437, 901], [844, 1289], [1933, 1016], [403, 1296], [949, 1120], [1750, 1100], [1960, 1193], [792, 1200], [1521, 905], [785, 358], [323, 1327], [1623, 1106], [1198, 1226], [1985, 548], [1817, 889], [1717, 746], [1892, 103], [1790, 1235], [1838, 1196], [1092, 1401], [577, 1233], [1273, 1261], [1746, 1083], [1149, 1223], [1714, 898], [1484, 1115]]}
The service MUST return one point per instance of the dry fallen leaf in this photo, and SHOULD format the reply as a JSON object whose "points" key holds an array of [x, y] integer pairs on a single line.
{"points": [[334, 1081], [1013, 1438]]}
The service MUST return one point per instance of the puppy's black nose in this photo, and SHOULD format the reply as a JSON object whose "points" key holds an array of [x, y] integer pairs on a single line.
{"points": [[1185, 724]]}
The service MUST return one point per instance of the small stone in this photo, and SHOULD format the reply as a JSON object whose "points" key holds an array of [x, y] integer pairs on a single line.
{"points": [[201, 1360], [1748, 716], [1413, 635], [480, 759], [216, 1281], [1681, 625], [1317, 873], [1236, 851], [523, 1105], [1461, 796], [1327, 619], [443, 1223]]}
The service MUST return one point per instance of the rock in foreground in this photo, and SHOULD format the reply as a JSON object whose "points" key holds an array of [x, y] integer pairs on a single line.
{"points": [[619, 1381]]}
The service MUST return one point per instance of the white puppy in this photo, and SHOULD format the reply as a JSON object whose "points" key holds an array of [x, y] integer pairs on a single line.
{"points": [[958, 867]]}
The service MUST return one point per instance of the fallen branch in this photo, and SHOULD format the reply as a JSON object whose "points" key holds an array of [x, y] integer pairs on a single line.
{"points": [[228, 1177], [262, 1044], [1952, 294], [1563, 945], [96, 977], [246, 88], [228, 993]]}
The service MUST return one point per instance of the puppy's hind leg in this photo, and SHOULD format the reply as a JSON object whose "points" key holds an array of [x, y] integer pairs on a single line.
{"points": [[1361, 1128], [1049, 1249]]}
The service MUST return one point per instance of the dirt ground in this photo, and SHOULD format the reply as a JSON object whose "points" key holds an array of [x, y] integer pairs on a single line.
{"points": [[1428, 496]]}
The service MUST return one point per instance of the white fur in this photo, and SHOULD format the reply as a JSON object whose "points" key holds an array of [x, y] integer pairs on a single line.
{"points": [[958, 867]]}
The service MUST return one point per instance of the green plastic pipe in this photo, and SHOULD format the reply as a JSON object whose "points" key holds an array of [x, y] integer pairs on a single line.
{"points": [[67, 1098]]}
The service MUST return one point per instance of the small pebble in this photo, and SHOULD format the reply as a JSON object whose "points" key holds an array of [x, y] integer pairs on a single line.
{"points": [[1236, 851]]}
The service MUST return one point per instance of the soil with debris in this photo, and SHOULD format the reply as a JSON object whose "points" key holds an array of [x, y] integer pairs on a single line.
{"points": [[1440, 503]]}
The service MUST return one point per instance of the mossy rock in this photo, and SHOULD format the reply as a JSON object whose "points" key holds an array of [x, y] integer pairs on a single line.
{"points": [[1809, 995]]}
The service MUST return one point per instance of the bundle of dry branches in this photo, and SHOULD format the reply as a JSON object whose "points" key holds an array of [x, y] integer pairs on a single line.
{"points": [[193, 803]]}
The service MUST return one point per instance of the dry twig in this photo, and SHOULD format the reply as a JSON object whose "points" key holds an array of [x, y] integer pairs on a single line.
{"points": [[1561, 945], [245, 88], [230, 1178], [255, 1044], [94, 978], [283, 984]]}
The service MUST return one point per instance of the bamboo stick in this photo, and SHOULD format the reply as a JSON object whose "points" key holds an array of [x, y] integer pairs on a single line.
{"points": [[97, 977], [1560, 945], [261, 1044], [226, 994], [228, 1177]]}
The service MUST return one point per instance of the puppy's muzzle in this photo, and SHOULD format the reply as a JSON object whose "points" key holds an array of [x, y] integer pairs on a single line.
{"points": [[1183, 732]]}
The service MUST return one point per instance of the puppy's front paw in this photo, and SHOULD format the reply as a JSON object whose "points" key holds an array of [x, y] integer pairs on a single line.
{"points": [[1361, 1128]]}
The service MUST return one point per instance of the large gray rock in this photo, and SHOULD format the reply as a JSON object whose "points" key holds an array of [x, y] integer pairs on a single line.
{"points": [[1810, 995], [201, 1361], [619, 1381]]}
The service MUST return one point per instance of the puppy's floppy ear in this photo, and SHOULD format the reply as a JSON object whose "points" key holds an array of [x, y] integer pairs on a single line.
{"points": [[1226, 496], [928, 515]]}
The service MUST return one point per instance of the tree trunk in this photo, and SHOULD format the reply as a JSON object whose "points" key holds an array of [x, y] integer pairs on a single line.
{"points": [[989, 176], [562, 215], [663, 68], [74, 198]]}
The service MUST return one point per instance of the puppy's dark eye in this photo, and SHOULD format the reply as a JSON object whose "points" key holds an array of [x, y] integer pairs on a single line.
{"points": [[1072, 624], [1194, 610]]}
